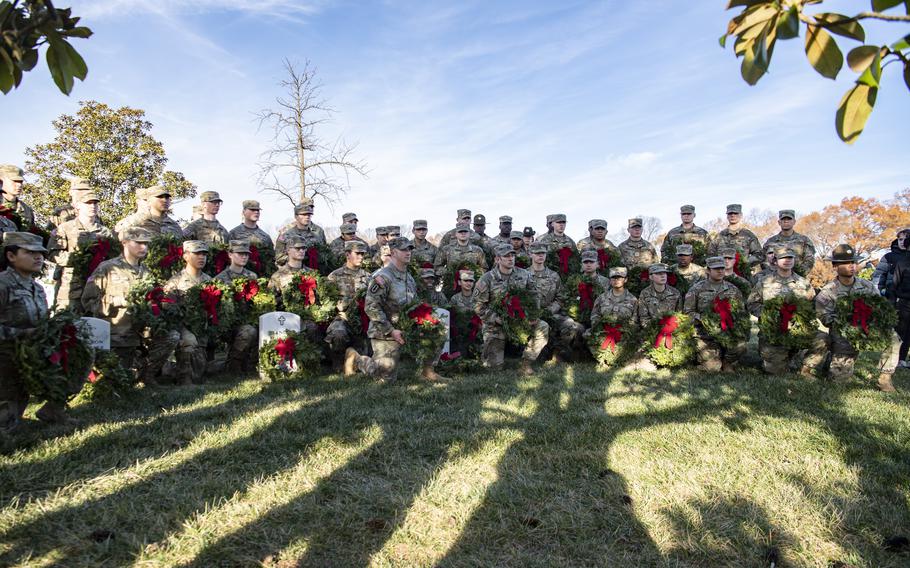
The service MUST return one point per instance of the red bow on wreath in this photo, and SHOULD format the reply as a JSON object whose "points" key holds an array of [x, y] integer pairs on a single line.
{"points": [[285, 349], [585, 295], [100, 250], [155, 297], [722, 308], [426, 265], [476, 324], [307, 287], [736, 269], [861, 313], [364, 318], [173, 254], [256, 259], [248, 292], [221, 261], [787, 311], [603, 258], [68, 340], [672, 280], [423, 314], [612, 336], [644, 275], [8, 213], [668, 325], [450, 356], [211, 297], [564, 254], [513, 307], [456, 283], [312, 255]]}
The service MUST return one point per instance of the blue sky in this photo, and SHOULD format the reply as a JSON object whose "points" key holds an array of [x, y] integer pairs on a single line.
{"points": [[604, 110]]}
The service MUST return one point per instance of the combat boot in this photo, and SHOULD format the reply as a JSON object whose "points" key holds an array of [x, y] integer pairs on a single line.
{"points": [[525, 369], [350, 362], [884, 383], [428, 373]]}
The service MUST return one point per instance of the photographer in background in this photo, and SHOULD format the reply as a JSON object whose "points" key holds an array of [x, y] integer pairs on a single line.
{"points": [[895, 285]]}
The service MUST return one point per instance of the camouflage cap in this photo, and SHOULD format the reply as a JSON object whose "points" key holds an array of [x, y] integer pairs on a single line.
{"points": [[401, 243], [783, 252], [356, 246], [536, 248], [734, 208], [842, 253], [462, 228], [209, 197], [714, 262], [150, 192], [684, 250], [597, 224], [239, 245], [505, 219], [251, 204], [294, 241], [137, 235], [657, 268], [79, 184], [528, 232], [303, 209], [727, 252], [466, 275], [687, 209], [348, 229], [385, 251], [516, 235], [383, 230], [428, 273], [89, 197], [589, 255], [618, 272], [419, 224], [549, 219], [195, 246], [559, 218], [503, 250], [785, 213], [349, 217], [480, 219], [635, 222], [394, 230], [12, 172], [23, 240], [464, 214]]}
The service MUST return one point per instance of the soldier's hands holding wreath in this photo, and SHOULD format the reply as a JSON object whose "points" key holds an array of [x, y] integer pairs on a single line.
{"points": [[397, 336]]}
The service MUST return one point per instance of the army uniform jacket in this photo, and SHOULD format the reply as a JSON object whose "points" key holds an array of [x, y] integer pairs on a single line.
{"points": [[700, 297], [350, 281], [284, 275], [801, 245], [105, 297], [550, 291], [24, 211], [129, 221], [652, 304], [493, 286], [456, 253], [6, 225], [183, 281], [435, 298], [255, 236], [693, 273], [61, 215], [679, 235], [158, 226], [827, 297], [64, 240], [608, 304], [589, 243], [742, 240], [206, 231], [424, 252], [22, 304], [390, 290], [227, 275], [775, 285], [555, 242], [309, 236], [462, 302], [637, 253], [449, 239]]}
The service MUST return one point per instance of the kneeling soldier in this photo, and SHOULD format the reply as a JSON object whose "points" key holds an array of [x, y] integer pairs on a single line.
{"points": [[350, 279], [190, 355], [700, 300], [242, 353]]}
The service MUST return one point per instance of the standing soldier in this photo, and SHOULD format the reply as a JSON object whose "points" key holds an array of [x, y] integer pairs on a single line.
{"points": [[492, 288], [249, 230], [350, 279], [635, 250], [424, 252], [657, 298], [684, 265], [597, 239], [390, 290], [729, 256], [460, 251], [65, 239], [350, 218], [241, 355], [558, 238], [843, 355], [480, 229], [105, 297], [348, 234], [11, 179], [463, 218], [394, 231], [700, 300], [522, 256], [553, 298], [190, 355], [528, 235], [616, 301], [311, 227], [67, 212], [738, 237], [156, 218], [798, 243], [207, 228], [505, 231], [303, 227], [686, 233]]}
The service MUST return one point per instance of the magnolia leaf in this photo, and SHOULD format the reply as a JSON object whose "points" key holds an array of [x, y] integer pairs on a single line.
{"points": [[882, 5], [873, 72], [854, 111], [901, 44], [749, 3], [723, 40], [822, 52], [860, 57], [754, 16], [58, 64], [6, 71], [907, 74], [852, 30], [788, 24]]}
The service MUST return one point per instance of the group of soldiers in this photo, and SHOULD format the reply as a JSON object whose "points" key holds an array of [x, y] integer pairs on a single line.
{"points": [[773, 270]]}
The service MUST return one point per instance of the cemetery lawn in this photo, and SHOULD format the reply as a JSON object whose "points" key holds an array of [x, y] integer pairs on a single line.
{"points": [[567, 468]]}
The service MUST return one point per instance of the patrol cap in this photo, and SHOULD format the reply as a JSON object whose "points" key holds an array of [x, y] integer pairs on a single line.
{"points": [[714, 262], [687, 209], [684, 249], [503, 250], [355, 246], [394, 230], [12, 172], [195, 246], [559, 218], [466, 275], [538, 248], [782, 252], [137, 235], [79, 184], [842, 253], [727, 252], [383, 230], [428, 273], [480, 219], [348, 229], [239, 245], [635, 222], [462, 228], [528, 232], [549, 219], [618, 272], [27, 241], [88, 197], [734, 208], [657, 268], [384, 251], [303, 208], [150, 192], [209, 197], [786, 213], [505, 219], [589, 255], [464, 214], [420, 224], [349, 217], [516, 235], [400, 243], [597, 224], [251, 204], [294, 241]]}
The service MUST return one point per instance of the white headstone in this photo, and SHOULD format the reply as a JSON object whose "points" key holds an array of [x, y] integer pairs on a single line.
{"points": [[277, 324], [99, 330], [443, 316]]}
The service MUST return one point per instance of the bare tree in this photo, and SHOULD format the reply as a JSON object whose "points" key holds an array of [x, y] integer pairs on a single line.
{"points": [[299, 164], [650, 227]]}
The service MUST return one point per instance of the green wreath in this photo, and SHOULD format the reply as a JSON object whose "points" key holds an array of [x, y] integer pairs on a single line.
{"points": [[55, 359], [311, 296], [516, 308], [291, 357], [262, 261], [414, 271], [208, 309], [678, 281], [866, 321], [319, 257], [450, 282], [355, 314], [607, 260], [466, 332], [744, 286], [165, 257], [727, 322], [424, 333], [788, 321], [451, 364], [150, 307], [614, 342], [217, 259], [699, 247], [741, 267], [669, 340], [564, 261], [252, 298], [582, 290], [522, 260], [88, 255], [638, 279], [108, 379]]}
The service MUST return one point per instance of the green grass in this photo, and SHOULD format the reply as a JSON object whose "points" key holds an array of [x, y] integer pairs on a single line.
{"points": [[567, 468]]}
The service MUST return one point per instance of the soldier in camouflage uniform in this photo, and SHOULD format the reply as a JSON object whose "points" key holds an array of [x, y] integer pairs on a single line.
{"points": [[11, 179], [700, 300], [390, 290], [296, 251], [635, 250], [770, 267], [464, 217], [738, 237], [156, 219], [317, 232], [303, 227], [528, 235], [460, 251], [67, 212], [684, 265], [424, 252], [615, 301], [597, 239], [249, 229], [350, 279], [492, 288], [565, 331], [105, 297], [505, 231], [657, 298], [382, 239], [348, 234], [843, 355], [783, 282], [686, 233], [242, 352], [350, 218], [86, 228], [207, 228], [464, 299], [394, 231], [558, 238], [480, 229], [429, 292], [729, 256], [798, 243], [589, 266], [522, 256], [142, 209]]}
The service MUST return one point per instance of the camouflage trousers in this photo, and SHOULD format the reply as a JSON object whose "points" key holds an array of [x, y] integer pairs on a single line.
{"points": [[711, 356], [494, 344], [67, 294], [775, 359], [843, 356], [565, 333], [190, 356], [339, 336], [384, 362], [243, 351]]}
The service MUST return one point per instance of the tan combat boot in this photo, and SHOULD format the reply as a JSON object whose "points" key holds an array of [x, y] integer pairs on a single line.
{"points": [[428, 373], [525, 369], [350, 362], [885, 384]]}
